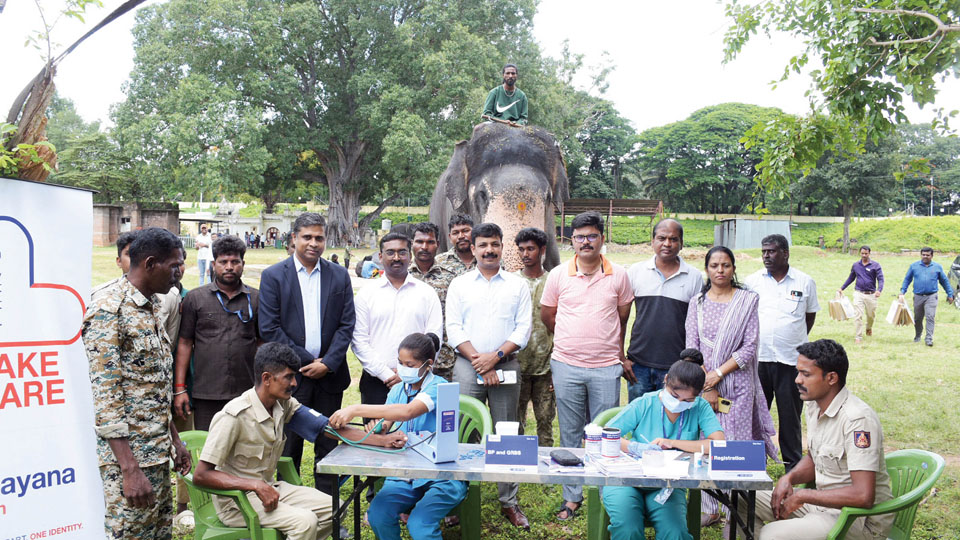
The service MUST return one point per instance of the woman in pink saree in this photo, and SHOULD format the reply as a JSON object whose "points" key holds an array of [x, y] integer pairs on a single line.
{"points": [[722, 323]]}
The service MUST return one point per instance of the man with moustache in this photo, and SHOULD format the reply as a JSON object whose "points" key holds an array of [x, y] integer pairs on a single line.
{"points": [[218, 328], [662, 289], [131, 375], [586, 304], [459, 258], [925, 275], [387, 310], [869, 278], [536, 381], [507, 102], [488, 321], [306, 302], [845, 460], [788, 308], [426, 268], [244, 444]]}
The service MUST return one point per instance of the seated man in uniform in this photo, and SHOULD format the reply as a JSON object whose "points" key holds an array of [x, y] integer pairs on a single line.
{"points": [[845, 458], [245, 442], [507, 102]]}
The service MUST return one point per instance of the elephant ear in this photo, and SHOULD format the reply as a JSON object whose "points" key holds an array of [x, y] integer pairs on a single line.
{"points": [[456, 177], [558, 177]]}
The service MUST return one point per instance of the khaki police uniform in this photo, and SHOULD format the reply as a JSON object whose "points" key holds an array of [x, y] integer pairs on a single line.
{"points": [[846, 437], [246, 441]]}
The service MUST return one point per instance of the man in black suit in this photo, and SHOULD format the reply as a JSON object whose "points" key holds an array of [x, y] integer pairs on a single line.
{"points": [[306, 302]]}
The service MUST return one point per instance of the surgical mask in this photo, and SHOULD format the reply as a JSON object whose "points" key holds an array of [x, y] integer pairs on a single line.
{"points": [[409, 375], [673, 404]]}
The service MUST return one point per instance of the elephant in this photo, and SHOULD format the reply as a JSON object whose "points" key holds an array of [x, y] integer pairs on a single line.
{"points": [[505, 175]]}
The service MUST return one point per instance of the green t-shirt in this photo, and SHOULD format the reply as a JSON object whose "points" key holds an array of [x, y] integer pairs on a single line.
{"points": [[512, 107]]}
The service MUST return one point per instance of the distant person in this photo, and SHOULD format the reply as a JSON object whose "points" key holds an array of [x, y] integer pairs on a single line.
{"points": [[536, 379], [131, 375], [459, 258], [203, 242], [307, 303], [869, 278], [586, 304], [845, 461], [218, 337], [427, 269], [123, 263], [506, 101], [787, 309], [662, 289], [334, 259], [925, 275]]}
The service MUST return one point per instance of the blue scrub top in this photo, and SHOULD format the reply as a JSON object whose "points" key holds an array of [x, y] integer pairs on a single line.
{"points": [[426, 421], [646, 415]]}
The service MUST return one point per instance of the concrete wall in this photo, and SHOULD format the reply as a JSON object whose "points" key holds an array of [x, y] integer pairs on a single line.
{"points": [[108, 218], [106, 224]]}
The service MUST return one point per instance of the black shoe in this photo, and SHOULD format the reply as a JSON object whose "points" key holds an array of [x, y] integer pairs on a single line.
{"points": [[929, 344], [916, 339]]}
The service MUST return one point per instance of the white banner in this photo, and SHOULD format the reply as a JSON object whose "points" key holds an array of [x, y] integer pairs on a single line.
{"points": [[49, 481]]}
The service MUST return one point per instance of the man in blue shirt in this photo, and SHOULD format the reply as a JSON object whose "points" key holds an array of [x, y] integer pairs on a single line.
{"points": [[925, 274]]}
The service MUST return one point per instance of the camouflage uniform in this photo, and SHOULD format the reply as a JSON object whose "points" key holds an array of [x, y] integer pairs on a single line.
{"points": [[445, 267], [131, 372], [536, 380]]}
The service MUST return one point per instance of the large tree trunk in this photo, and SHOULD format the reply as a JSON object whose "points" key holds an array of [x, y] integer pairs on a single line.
{"points": [[341, 167], [847, 215]]}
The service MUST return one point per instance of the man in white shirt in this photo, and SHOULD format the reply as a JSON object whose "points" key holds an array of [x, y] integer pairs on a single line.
{"points": [[788, 308], [388, 310], [203, 243], [489, 314]]}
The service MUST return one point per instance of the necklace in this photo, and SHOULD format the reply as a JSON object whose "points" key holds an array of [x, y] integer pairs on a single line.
{"points": [[509, 94]]}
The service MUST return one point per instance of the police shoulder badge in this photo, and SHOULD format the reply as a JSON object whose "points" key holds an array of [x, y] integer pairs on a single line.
{"points": [[861, 439]]}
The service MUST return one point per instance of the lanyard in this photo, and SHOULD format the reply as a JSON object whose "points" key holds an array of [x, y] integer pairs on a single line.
{"points": [[663, 427], [239, 312]]}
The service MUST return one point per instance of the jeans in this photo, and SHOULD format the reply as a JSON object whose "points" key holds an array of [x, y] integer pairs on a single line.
{"points": [[648, 380], [924, 307], [582, 394], [202, 265]]}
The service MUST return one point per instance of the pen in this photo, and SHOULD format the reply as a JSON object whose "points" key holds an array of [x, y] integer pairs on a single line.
{"points": [[644, 438]]}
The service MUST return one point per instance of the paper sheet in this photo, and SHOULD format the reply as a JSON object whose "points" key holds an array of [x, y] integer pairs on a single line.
{"points": [[670, 469]]}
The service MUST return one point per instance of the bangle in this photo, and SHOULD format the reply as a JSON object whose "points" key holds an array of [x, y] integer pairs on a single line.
{"points": [[180, 392], [719, 373], [179, 386]]}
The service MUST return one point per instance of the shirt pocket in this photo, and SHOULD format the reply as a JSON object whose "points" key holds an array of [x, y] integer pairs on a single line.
{"points": [[830, 460], [249, 457], [207, 324], [147, 362], [790, 304]]}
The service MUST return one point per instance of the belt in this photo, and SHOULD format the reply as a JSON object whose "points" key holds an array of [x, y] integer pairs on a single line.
{"points": [[506, 358], [865, 292]]}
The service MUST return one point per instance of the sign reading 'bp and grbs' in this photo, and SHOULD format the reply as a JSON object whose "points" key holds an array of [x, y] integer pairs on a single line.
{"points": [[49, 481]]}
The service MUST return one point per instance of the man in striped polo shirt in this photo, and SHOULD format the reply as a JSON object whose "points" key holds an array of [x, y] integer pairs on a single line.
{"points": [[586, 304]]}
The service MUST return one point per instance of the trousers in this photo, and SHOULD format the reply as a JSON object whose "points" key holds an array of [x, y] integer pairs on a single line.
{"points": [[866, 306], [426, 503], [924, 307], [808, 523], [778, 381], [630, 509], [123, 521], [582, 394], [538, 390], [501, 399], [303, 513]]}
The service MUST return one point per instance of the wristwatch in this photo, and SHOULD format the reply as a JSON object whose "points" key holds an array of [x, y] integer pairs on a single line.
{"points": [[500, 354]]}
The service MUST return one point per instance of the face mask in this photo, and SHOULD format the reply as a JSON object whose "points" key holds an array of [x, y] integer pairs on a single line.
{"points": [[673, 404], [409, 375]]}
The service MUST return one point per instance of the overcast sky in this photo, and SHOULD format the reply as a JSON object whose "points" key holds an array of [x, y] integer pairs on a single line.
{"points": [[668, 58]]}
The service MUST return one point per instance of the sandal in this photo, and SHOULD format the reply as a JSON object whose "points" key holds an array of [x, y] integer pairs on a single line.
{"points": [[565, 513], [707, 520]]}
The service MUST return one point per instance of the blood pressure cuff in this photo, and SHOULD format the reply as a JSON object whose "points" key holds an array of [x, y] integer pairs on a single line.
{"points": [[308, 423]]}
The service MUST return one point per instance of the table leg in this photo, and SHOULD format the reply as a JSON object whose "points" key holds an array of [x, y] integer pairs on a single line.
{"points": [[357, 491], [751, 513], [734, 514], [693, 513], [335, 504]]}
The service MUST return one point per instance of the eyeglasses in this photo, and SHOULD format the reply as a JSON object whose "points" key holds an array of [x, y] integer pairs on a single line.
{"points": [[397, 253], [239, 312], [580, 238]]}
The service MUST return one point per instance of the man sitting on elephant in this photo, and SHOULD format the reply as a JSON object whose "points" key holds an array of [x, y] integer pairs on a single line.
{"points": [[506, 101]]}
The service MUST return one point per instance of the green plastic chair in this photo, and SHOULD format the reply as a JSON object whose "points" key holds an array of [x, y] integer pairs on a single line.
{"points": [[912, 475], [597, 519], [475, 424], [207, 525]]}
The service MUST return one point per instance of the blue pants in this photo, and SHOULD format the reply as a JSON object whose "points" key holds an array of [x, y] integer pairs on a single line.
{"points": [[631, 508], [202, 265], [430, 502], [648, 380]]}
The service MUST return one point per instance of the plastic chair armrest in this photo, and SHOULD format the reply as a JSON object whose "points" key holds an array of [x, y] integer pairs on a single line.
{"points": [[250, 516], [288, 472]]}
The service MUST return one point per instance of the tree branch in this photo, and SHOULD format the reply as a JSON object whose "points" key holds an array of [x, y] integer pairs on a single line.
{"points": [[365, 222], [941, 27]]}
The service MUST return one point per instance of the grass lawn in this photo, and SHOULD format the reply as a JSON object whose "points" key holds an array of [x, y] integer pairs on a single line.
{"points": [[913, 388]]}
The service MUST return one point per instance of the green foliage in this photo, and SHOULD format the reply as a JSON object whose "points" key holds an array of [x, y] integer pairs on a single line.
{"points": [[11, 158], [887, 235], [872, 55], [699, 165], [606, 142]]}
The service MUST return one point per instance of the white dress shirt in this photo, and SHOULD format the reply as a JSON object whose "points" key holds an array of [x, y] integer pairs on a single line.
{"points": [[783, 313], [488, 313], [310, 294], [386, 315]]}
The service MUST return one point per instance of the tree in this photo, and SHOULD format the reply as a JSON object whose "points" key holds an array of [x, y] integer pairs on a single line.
{"points": [[871, 53], [926, 154], [699, 165], [606, 142]]}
